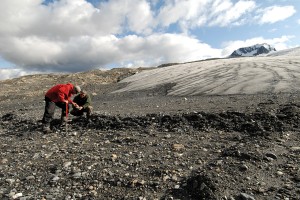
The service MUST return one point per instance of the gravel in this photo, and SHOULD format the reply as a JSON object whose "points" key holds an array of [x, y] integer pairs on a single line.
{"points": [[146, 145]]}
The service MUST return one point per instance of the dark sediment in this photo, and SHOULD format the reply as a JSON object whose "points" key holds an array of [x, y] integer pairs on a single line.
{"points": [[196, 155]]}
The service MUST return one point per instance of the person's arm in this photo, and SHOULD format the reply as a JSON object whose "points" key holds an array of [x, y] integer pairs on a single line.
{"points": [[87, 102], [70, 101], [74, 102]]}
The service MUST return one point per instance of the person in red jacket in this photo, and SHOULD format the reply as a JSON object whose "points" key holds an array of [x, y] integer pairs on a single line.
{"points": [[60, 96]]}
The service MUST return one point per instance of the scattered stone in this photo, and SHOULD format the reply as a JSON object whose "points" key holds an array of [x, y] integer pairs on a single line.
{"points": [[279, 173], [18, 195], [296, 149], [177, 147], [271, 155], [67, 164], [244, 167], [151, 157], [55, 178], [10, 180], [3, 161], [245, 196], [30, 178], [114, 157]]}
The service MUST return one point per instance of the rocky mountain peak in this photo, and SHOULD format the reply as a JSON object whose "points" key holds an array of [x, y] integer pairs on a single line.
{"points": [[252, 50]]}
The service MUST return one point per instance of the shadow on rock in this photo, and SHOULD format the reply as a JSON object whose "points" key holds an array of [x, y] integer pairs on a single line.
{"points": [[198, 186]]}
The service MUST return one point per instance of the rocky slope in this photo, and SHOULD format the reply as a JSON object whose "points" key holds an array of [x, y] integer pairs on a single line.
{"points": [[146, 145]]}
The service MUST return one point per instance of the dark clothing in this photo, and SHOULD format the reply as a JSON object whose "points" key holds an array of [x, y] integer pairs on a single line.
{"points": [[87, 110], [50, 109], [84, 102]]}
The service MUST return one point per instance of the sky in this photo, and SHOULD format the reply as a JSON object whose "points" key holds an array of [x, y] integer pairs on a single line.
{"points": [[66, 36]]}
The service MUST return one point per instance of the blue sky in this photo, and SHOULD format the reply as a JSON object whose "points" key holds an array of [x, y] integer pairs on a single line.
{"points": [[39, 36]]}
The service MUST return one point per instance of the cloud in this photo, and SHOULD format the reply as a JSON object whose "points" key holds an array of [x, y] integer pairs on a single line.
{"points": [[68, 35], [86, 52], [195, 13], [228, 13], [298, 21], [118, 16], [13, 73], [74, 35], [276, 13]]}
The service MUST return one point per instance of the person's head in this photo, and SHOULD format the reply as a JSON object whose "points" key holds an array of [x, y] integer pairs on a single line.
{"points": [[83, 93], [76, 89]]}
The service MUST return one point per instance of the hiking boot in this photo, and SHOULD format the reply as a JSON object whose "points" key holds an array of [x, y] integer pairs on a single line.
{"points": [[89, 112]]}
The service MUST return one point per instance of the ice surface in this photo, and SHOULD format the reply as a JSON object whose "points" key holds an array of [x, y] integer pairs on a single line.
{"points": [[277, 72]]}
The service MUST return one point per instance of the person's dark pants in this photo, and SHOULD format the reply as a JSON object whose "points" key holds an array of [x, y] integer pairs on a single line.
{"points": [[50, 109], [87, 110]]}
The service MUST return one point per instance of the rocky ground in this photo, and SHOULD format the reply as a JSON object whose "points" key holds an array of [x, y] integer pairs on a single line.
{"points": [[146, 145]]}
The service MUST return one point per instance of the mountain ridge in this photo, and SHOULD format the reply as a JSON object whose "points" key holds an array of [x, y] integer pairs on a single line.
{"points": [[253, 50]]}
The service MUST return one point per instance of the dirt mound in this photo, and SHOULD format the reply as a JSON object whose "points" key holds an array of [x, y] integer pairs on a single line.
{"points": [[286, 118]]}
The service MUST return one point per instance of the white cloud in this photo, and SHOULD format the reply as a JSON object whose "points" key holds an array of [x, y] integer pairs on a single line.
{"points": [[195, 13], [228, 13], [298, 21], [159, 48], [13, 73], [276, 13], [85, 53], [17, 16], [187, 48], [69, 18], [73, 35], [141, 19], [125, 15], [174, 11]]}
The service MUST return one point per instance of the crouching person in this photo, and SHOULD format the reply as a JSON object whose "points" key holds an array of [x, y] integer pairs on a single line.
{"points": [[83, 105], [60, 96]]}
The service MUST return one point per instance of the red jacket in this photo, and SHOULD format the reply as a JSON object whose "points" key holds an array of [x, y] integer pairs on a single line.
{"points": [[61, 92]]}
